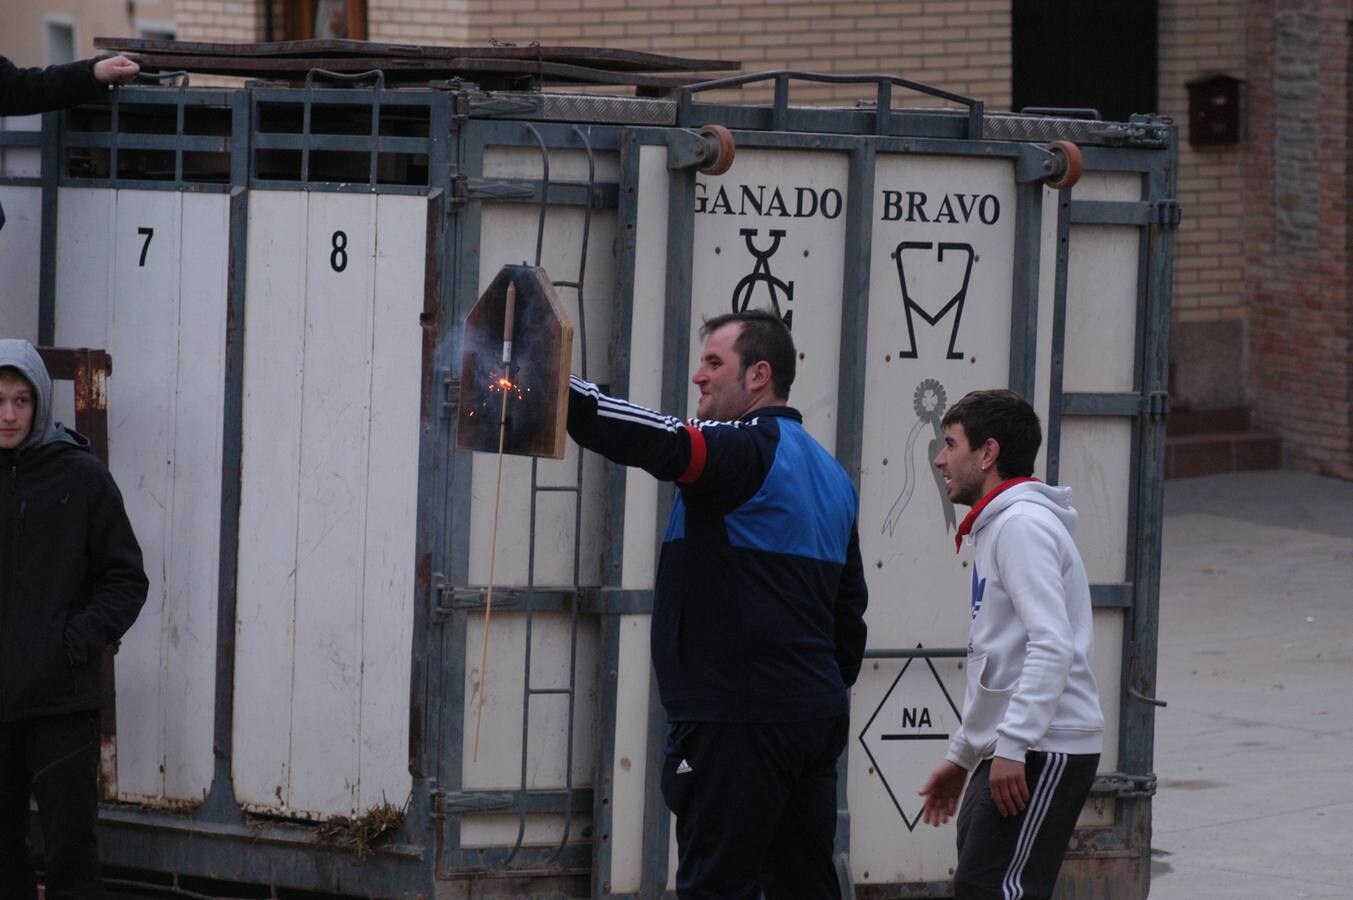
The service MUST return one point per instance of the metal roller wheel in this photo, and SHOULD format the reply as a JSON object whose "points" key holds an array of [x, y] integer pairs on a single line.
{"points": [[721, 141], [1072, 164]]}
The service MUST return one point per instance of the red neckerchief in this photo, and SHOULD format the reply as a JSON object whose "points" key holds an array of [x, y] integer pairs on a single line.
{"points": [[973, 513]]}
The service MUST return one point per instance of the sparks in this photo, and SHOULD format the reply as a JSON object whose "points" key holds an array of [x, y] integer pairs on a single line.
{"points": [[505, 385]]}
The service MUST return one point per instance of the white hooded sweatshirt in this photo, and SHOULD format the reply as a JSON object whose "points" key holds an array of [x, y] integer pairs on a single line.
{"points": [[1030, 682]]}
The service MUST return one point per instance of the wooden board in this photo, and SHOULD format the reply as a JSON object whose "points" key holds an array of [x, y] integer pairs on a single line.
{"points": [[542, 351], [594, 57], [143, 274], [329, 493]]}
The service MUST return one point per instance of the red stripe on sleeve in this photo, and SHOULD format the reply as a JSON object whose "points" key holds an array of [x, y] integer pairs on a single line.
{"points": [[699, 452]]}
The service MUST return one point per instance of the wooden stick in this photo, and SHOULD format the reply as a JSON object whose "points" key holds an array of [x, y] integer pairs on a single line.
{"points": [[497, 494]]}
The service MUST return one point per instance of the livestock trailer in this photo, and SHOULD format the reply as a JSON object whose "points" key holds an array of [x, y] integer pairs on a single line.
{"points": [[279, 274]]}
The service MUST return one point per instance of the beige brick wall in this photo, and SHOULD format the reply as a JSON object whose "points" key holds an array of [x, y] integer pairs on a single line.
{"points": [[219, 20], [420, 21], [1196, 39], [960, 45]]}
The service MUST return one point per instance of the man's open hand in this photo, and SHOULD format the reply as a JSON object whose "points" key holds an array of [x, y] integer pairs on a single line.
{"points": [[941, 792]]}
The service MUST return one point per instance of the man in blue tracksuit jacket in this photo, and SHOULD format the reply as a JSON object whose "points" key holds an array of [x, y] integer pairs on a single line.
{"points": [[758, 621]]}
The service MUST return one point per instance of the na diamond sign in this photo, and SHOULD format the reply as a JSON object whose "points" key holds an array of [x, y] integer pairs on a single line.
{"points": [[908, 734]]}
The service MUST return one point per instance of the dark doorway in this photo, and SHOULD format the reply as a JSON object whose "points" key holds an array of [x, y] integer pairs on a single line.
{"points": [[1100, 55]]}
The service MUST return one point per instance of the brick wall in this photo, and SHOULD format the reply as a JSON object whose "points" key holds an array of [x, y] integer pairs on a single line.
{"points": [[1197, 39], [960, 45], [1297, 247], [219, 20], [420, 21]]}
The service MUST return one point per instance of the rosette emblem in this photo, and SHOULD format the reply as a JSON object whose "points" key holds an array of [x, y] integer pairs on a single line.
{"points": [[929, 401]]}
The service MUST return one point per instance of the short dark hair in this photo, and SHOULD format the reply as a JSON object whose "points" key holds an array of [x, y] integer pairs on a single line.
{"points": [[764, 337], [1005, 416]]}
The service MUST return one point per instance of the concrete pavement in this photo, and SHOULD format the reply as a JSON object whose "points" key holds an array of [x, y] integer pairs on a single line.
{"points": [[1255, 752]]}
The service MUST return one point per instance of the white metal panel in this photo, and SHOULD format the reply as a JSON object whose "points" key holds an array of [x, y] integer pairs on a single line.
{"points": [[330, 530], [1108, 663], [21, 162], [1124, 187], [84, 280], [143, 342], [771, 233], [392, 501], [542, 830], [1097, 466], [193, 572], [895, 699], [502, 161], [20, 261], [1101, 308], [647, 327], [511, 231], [501, 739], [638, 567], [952, 221], [269, 497], [1047, 283]]}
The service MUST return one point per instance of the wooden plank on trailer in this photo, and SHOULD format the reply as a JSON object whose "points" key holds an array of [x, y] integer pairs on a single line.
{"points": [[194, 552], [331, 516], [269, 492], [391, 501], [597, 57], [143, 343], [21, 261]]}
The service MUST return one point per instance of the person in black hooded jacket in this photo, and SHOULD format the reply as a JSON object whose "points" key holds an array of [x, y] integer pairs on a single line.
{"points": [[71, 583], [26, 91]]}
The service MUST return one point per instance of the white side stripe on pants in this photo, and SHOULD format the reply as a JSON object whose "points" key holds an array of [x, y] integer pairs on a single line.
{"points": [[1039, 803]]}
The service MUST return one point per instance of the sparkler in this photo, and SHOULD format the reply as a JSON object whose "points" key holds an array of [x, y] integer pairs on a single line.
{"points": [[506, 387]]}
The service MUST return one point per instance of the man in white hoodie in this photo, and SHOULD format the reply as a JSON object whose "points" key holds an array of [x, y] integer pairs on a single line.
{"points": [[1032, 729]]}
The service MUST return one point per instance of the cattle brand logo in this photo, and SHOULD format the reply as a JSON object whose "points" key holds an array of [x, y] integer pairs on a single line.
{"points": [[742, 292], [911, 250]]}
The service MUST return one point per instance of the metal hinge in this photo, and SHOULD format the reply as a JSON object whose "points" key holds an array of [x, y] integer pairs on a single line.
{"points": [[1122, 785], [465, 189], [452, 802], [1166, 213], [1138, 131], [1156, 405], [450, 394]]}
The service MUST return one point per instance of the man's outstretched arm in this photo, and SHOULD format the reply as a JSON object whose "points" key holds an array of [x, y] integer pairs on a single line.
{"points": [[27, 91], [629, 434]]}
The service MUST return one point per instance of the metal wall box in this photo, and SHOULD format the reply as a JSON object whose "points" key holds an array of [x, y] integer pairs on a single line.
{"points": [[1214, 110], [281, 277]]}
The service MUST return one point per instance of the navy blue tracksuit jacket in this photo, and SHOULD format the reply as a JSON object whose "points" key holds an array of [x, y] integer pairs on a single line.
{"points": [[760, 596]]}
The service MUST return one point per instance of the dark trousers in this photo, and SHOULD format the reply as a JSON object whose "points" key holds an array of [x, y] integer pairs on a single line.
{"points": [[56, 760], [1018, 857], [755, 808]]}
